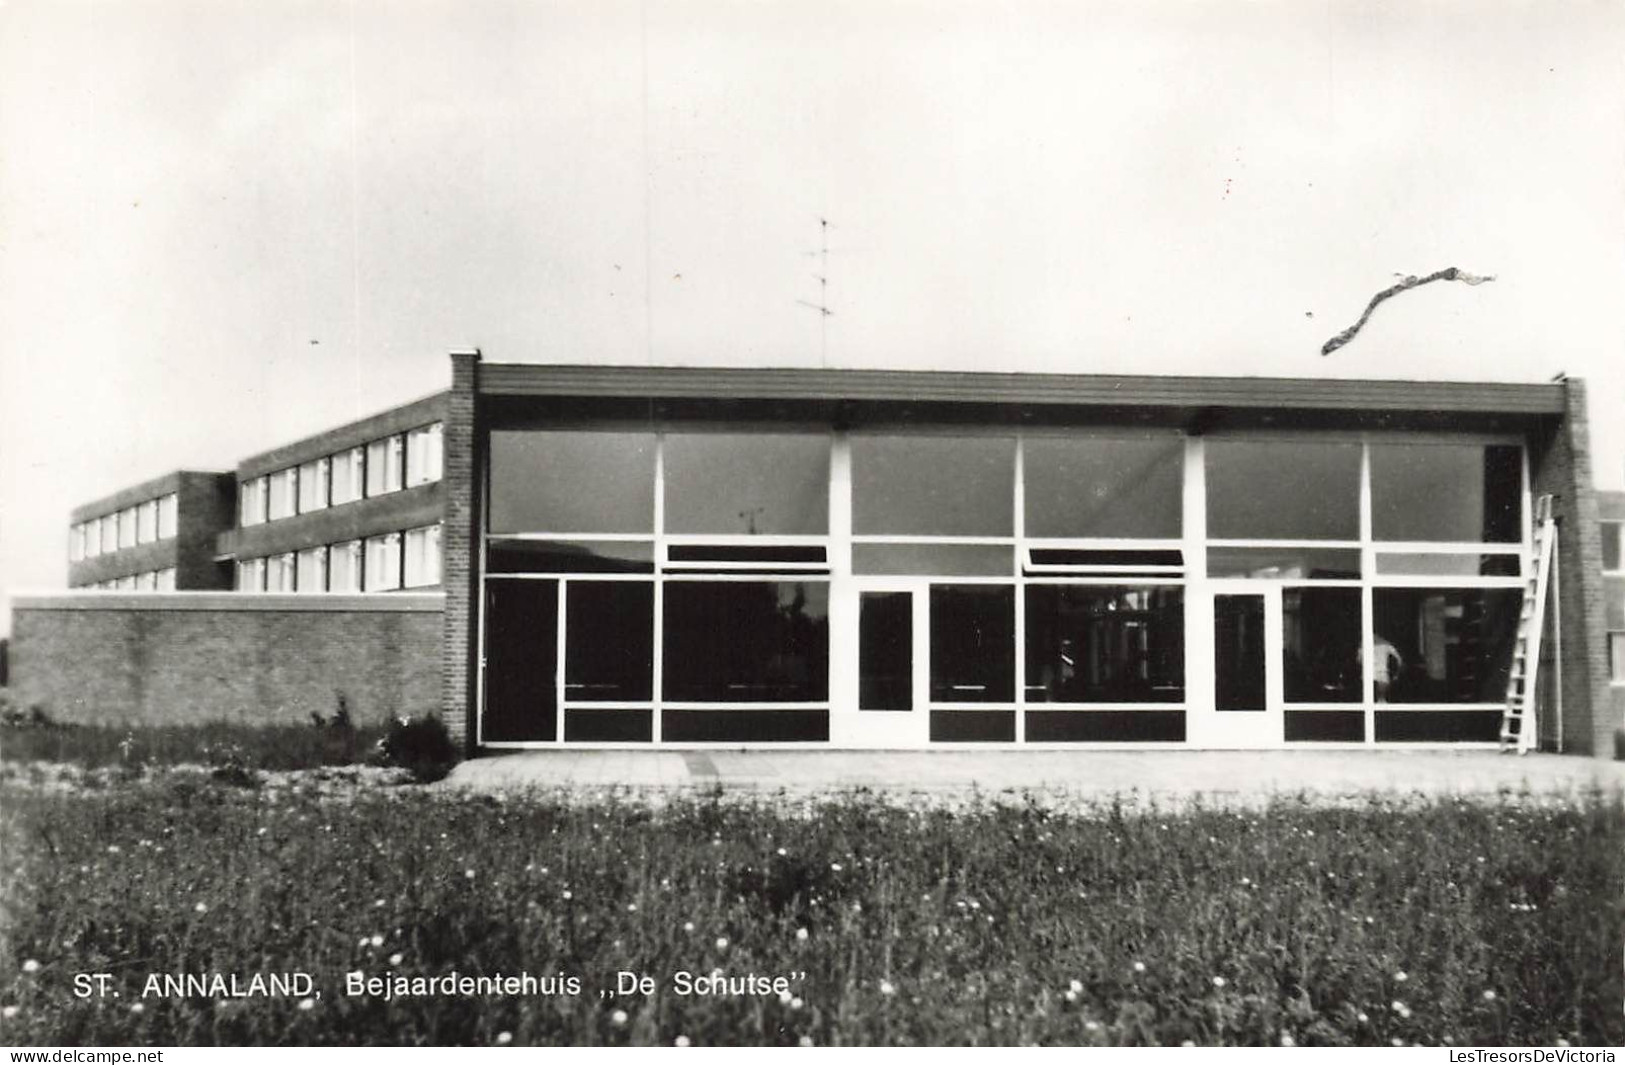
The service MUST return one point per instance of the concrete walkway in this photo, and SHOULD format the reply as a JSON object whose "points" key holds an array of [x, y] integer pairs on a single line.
{"points": [[1166, 777]]}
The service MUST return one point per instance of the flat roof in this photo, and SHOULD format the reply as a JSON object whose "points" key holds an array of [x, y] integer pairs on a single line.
{"points": [[152, 488], [1033, 389]]}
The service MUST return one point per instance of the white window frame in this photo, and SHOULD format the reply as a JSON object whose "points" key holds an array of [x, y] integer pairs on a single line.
{"points": [[168, 516], [312, 489], [146, 522], [385, 458], [302, 579], [424, 455], [283, 494], [166, 579], [126, 528], [354, 553], [421, 565], [381, 568]]}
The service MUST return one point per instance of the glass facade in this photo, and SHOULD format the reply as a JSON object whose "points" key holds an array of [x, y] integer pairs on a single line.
{"points": [[751, 583]]}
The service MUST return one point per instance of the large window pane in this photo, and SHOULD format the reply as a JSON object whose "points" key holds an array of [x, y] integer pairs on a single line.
{"points": [[423, 455], [1283, 490], [1284, 563], [344, 567], [521, 660], [747, 483], [168, 511], [381, 571], [1105, 644], [1103, 486], [973, 643], [569, 556], [313, 486], [572, 482], [933, 485], [312, 574], [886, 651], [746, 641], [1320, 644], [609, 641], [348, 469], [1466, 492], [282, 491], [422, 562], [934, 559], [1444, 645]]}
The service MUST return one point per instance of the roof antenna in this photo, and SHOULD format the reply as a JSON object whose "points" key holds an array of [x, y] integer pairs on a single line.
{"points": [[822, 306]]}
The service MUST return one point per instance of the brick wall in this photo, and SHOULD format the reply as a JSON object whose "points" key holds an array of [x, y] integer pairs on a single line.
{"points": [[188, 658], [1561, 463], [458, 540]]}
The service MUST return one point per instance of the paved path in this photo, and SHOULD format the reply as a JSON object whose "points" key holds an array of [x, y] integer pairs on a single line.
{"points": [[1174, 777]]}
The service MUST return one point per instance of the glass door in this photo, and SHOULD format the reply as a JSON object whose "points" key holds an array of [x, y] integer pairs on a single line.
{"points": [[1246, 622], [889, 662]]}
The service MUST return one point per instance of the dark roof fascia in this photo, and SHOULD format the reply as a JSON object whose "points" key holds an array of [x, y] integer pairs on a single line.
{"points": [[1036, 390]]}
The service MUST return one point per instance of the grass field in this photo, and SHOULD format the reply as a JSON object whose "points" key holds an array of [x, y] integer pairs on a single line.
{"points": [[1419, 922]]}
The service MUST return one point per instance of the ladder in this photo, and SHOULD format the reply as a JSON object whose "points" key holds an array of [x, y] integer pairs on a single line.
{"points": [[1518, 724]]}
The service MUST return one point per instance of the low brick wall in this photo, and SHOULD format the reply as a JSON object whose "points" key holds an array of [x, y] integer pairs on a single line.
{"points": [[191, 657]]}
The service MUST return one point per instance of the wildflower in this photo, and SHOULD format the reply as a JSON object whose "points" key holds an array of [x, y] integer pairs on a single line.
{"points": [[1286, 1037], [1396, 1041], [504, 1038], [1361, 1017], [9, 1012], [138, 1008], [801, 934], [1401, 977], [30, 966], [376, 940], [469, 874], [1093, 1026], [1219, 981], [1139, 966], [1489, 995], [201, 907], [631, 907], [835, 867], [567, 896], [307, 1004], [722, 942], [887, 988], [363, 942], [785, 997], [1076, 985], [805, 1041], [618, 1018], [680, 1041], [112, 848], [379, 904], [1071, 995], [688, 926], [795, 1003], [782, 852], [395, 959]]}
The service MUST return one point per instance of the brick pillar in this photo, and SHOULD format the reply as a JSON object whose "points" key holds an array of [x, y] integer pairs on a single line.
{"points": [[459, 539], [1562, 467]]}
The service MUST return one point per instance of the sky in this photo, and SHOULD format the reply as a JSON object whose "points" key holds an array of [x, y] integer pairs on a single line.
{"points": [[225, 225]]}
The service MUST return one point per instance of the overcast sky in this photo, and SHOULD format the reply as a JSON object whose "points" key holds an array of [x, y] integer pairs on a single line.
{"points": [[228, 224]]}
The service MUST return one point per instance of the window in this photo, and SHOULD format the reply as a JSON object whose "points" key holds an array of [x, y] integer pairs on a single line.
{"points": [[168, 506], [384, 466], [609, 641], [973, 643], [146, 522], [125, 584], [283, 487], [572, 482], [423, 556], [746, 641], [347, 473], [1322, 630], [252, 501], [1111, 487], [933, 485], [423, 455], [382, 569], [344, 567], [313, 486], [166, 579], [126, 527], [90, 535], [1284, 563], [521, 660], [251, 575], [1611, 535], [1449, 492], [147, 582], [1443, 645], [1282, 490], [747, 483], [280, 573], [1105, 643], [312, 570], [1616, 657], [108, 523], [76, 543]]}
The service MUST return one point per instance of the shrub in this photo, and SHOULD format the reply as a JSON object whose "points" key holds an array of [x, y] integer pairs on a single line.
{"points": [[421, 745]]}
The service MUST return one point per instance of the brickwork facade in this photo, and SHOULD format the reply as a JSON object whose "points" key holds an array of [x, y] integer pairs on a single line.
{"points": [[459, 537], [154, 658], [1561, 467]]}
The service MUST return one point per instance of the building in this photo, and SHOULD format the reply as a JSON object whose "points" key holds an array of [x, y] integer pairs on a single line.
{"points": [[353, 509], [870, 559], [159, 535]]}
